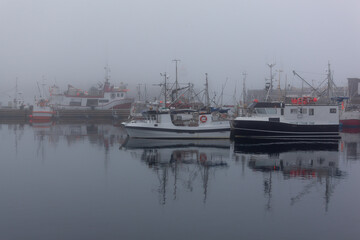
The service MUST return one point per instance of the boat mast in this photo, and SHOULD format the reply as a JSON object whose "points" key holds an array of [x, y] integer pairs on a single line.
{"points": [[207, 93], [279, 86], [244, 89], [330, 83], [176, 77], [165, 86], [269, 85]]}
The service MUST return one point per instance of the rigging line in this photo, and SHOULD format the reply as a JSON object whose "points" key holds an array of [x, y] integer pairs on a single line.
{"points": [[312, 73]]}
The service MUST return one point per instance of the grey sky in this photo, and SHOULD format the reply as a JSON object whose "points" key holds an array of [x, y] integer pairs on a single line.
{"points": [[70, 41]]}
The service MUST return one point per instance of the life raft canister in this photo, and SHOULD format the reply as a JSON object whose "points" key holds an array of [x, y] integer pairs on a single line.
{"points": [[203, 119]]}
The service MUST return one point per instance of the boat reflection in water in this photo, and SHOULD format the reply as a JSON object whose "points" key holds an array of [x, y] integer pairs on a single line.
{"points": [[52, 133], [314, 163], [350, 144], [181, 165]]}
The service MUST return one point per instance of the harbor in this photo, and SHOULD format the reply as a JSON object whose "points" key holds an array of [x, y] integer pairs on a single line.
{"points": [[179, 120], [103, 178]]}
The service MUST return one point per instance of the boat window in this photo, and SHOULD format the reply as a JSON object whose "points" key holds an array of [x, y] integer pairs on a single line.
{"points": [[332, 110], [293, 111], [122, 95], [103, 100], [92, 102], [271, 111], [117, 94], [75, 103], [303, 110], [311, 111], [112, 95], [282, 111], [260, 111]]}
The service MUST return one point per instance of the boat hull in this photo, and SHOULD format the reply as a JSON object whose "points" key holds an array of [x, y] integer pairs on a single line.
{"points": [[42, 115], [168, 133], [350, 119], [266, 130]]}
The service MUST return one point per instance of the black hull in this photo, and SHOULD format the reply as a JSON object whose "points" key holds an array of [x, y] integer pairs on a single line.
{"points": [[276, 147], [278, 131]]}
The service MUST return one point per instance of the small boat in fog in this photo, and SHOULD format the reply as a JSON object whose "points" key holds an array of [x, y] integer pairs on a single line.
{"points": [[105, 97], [179, 124]]}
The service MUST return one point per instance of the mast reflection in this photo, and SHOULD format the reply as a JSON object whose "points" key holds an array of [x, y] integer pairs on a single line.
{"points": [[104, 136], [181, 163], [350, 144], [314, 162]]}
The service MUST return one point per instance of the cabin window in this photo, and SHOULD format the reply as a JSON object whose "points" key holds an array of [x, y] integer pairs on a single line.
{"points": [[122, 95], [92, 102], [75, 103], [293, 111], [271, 110], [260, 111], [112, 95], [332, 110], [103, 100], [311, 111], [118, 95], [282, 111], [303, 110]]}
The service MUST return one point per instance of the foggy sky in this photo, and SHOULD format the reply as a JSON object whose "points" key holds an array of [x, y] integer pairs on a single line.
{"points": [[70, 41]]}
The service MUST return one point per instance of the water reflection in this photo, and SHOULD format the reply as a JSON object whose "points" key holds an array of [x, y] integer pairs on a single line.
{"points": [[313, 163], [350, 145], [100, 135], [181, 164]]}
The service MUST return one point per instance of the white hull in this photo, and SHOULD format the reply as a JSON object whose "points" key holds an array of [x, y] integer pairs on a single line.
{"points": [[163, 128], [116, 104], [184, 133]]}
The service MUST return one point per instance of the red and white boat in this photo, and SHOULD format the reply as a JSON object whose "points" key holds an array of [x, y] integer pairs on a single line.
{"points": [[350, 119], [106, 96], [42, 111]]}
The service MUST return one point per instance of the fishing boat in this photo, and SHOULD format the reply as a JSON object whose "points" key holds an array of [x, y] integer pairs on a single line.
{"points": [[350, 119], [179, 124], [313, 117], [42, 111], [279, 121], [105, 97]]}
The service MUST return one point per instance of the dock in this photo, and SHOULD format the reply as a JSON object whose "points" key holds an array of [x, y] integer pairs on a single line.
{"points": [[24, 114]]}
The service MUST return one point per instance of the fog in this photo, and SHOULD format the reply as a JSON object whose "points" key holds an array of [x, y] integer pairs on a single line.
{"points": [[71, 41]]}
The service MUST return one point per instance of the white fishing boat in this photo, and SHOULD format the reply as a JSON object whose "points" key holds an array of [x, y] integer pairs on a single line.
{"points": [[180, 124], [105, 97]]}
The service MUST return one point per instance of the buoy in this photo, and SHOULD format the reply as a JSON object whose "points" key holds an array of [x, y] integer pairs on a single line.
{"points": [[203, 119]]}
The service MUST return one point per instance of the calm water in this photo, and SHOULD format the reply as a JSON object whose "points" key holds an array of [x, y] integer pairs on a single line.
{"points": [[84, 181]]}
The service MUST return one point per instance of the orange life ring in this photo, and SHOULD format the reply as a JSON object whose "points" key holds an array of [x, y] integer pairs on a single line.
{"points": [[203, 119], [203, 157]]}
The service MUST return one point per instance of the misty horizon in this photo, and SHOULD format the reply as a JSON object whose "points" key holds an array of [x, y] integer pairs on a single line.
{"points": [[70, 42]]}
